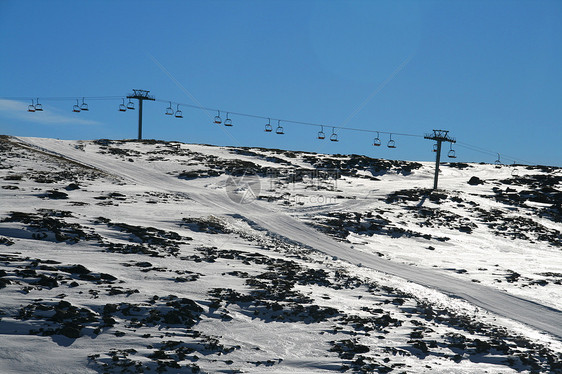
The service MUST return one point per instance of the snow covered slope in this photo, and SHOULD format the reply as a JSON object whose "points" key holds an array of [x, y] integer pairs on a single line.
{"points": [[126, 256]]}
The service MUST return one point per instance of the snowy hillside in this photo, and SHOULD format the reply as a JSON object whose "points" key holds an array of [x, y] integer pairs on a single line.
{"points": [[127, 256]]}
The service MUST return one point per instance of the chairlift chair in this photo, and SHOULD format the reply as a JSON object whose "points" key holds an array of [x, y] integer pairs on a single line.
{"points": [[227, 121], [435, 147], [321, 134], [334, 136], [452, 153], [122, 107], [179, 114], [84, 106], [38, 107], [169, 110], [218, 119], [279, 129], [76, 108], [268, 127], [377, 141], [391, 143], [31, 107], [131, 105], [515, 171]]}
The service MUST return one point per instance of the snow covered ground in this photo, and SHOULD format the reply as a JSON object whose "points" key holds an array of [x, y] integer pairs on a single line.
{"points": [[126, 256]]}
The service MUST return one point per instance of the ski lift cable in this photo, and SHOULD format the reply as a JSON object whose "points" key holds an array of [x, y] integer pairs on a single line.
{"points": [[492, 153], [57, 98], [378, 132], [93, 98], [289, 120]]}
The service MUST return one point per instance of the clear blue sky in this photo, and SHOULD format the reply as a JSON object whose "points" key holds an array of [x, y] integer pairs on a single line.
{"points": [[488, 71]]}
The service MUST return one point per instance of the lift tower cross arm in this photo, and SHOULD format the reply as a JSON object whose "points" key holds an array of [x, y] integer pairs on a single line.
{"points": [[140, 95], [439, 136]]}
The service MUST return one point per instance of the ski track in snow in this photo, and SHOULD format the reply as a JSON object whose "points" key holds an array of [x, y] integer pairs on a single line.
{"points": [[281, 224]]}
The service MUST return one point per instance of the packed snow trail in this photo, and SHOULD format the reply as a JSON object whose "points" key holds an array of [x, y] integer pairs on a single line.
{"points": [[283, 225], [530, 313]]}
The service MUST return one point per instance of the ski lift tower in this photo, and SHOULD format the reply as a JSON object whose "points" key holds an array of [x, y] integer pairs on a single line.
{"points": [[439, 136], [140, 95]]}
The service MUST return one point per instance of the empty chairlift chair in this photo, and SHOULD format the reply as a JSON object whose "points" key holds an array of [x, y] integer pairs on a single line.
{"points": [[279, 130], [515, 171], [321, 134], [334, 136], [84, 106], [377, 141], [31, 107], [131, 105], [38, 107], [76, 108], [169, 110], [452, 153], [227, 121], [218, 119], [122, 107], [178, 114], [391, 143], [268, 127]]}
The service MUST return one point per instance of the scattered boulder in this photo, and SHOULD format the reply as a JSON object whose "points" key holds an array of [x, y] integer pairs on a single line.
{"points": [[474, 181], [75, 269], [72, 187], [70, 331], [57, 195]]}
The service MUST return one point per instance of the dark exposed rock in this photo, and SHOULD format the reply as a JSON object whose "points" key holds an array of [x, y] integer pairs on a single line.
{"points": [[350, 165], [340, 225], [56, 195], [70, 331], [75, 269], [50, 221], [474, 181], [4, 282], [459, 165], [6, 241], [47, 281], [211, 225], [72, 187]]}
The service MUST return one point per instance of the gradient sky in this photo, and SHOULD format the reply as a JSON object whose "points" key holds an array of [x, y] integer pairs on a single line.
{"points": [[488, 71]]}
